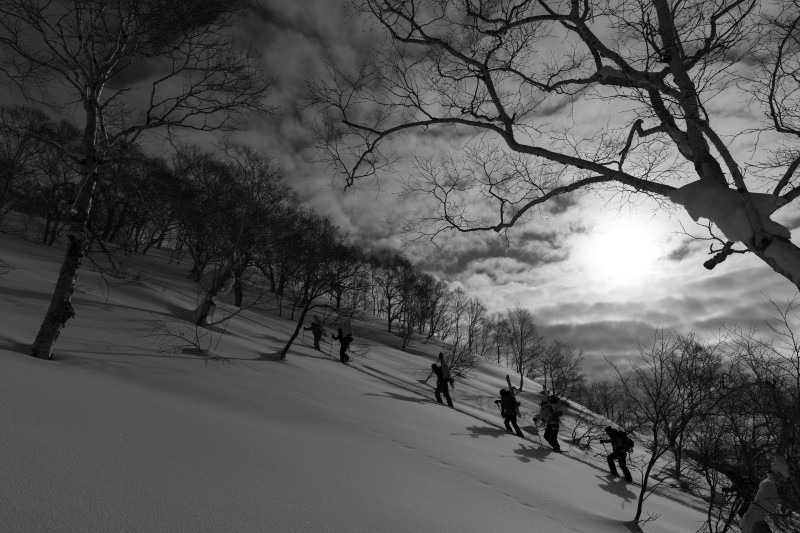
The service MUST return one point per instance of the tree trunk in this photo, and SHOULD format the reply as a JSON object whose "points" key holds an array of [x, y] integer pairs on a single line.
{"points": [[112, 234], [219, 282], [238, 272], [46, 230], [238, 293], [297, 328], [677, 450], [60, 310], [272, 285]]}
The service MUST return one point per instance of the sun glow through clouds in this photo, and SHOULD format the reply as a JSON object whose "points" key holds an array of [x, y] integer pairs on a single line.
{"points": [[619, 252]]}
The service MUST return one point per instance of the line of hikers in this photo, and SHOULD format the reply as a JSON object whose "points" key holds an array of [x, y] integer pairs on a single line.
{"points": [[549, 414], [755, 502]]}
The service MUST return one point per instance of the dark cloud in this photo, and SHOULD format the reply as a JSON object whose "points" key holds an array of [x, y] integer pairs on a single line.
{"points": [[603, 341], [557, 107], [528, 250], [606, 336], [562, 203], [686, 248], [311, 20]]}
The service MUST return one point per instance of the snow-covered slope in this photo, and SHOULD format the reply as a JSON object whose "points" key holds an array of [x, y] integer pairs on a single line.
{"points": [[117, 436]]}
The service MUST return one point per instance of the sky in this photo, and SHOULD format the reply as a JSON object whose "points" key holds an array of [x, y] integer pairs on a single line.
{"points": [[125, 432], [602, 272]]}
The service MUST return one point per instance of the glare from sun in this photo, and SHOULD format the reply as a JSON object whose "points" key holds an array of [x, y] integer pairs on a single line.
{"points": [[622, 252]]}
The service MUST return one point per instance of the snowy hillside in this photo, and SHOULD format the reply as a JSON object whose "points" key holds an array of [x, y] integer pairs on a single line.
{"points": [[116, 435]]}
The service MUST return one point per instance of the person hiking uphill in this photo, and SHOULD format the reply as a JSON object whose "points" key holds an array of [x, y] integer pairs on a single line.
{"points": [[441, 384], [316, 330], [767, 500], [509, 410], [621, 447], [549, 416], [344, 344]]}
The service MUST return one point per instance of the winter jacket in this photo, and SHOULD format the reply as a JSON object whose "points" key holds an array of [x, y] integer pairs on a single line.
{"points": [[316, 330], [764, 504], [549, 415]]}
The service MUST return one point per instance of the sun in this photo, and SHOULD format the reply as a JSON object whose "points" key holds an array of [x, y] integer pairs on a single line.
{"points": [[620, 252]]}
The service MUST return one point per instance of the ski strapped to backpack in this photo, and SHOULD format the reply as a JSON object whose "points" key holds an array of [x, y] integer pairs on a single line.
{"points": [[510, 388]]}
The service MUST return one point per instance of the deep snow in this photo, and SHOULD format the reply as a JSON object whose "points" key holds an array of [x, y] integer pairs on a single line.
{"points": [[115, 435]]}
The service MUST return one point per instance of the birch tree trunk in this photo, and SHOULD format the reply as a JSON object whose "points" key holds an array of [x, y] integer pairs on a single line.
{"points": [[60, 310]]}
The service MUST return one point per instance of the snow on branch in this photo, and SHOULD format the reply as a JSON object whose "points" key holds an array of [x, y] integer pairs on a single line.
{"points": [[725, 208]]}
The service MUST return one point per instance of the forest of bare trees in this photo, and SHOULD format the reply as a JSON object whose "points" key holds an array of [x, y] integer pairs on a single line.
{"points": [[226, 214]]}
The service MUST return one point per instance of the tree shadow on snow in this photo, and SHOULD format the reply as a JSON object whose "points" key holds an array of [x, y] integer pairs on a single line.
{"points": [[275, 357], [13, 345], [395, 396], [617, 486]]}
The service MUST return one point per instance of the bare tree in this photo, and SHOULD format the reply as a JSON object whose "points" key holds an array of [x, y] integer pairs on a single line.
{"points": [[608, 399], [455, 328], [129, 66], [499, 334], [525, 344], [561, 367], [323, 260], [663, 405], [49, 190], [484, 342], [436, 305], [476, 311], [489, 73], [389, 277], [19, 145]]}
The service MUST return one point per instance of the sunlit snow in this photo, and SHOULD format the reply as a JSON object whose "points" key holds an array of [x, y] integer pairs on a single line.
{"points": [[117, 436]]}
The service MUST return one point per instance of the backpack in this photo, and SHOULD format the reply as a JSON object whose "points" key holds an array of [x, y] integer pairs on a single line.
{"points": [[509, 403], [628, 442]]}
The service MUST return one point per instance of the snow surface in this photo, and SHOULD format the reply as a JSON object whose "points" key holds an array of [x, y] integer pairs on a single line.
{"points": [[115, 435]]}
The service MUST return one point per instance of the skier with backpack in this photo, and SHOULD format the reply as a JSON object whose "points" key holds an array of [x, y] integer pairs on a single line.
{"points": [[549, 416], [442, 381], [509, 410], [344, 344], [621, 444]]}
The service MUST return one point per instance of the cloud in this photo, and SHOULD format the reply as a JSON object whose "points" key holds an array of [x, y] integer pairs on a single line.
{"points": [[486, 252], [687, 247], [536, 263]]}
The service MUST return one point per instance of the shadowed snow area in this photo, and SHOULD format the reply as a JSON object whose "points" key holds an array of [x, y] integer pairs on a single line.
{"points": [[116, 435]]}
